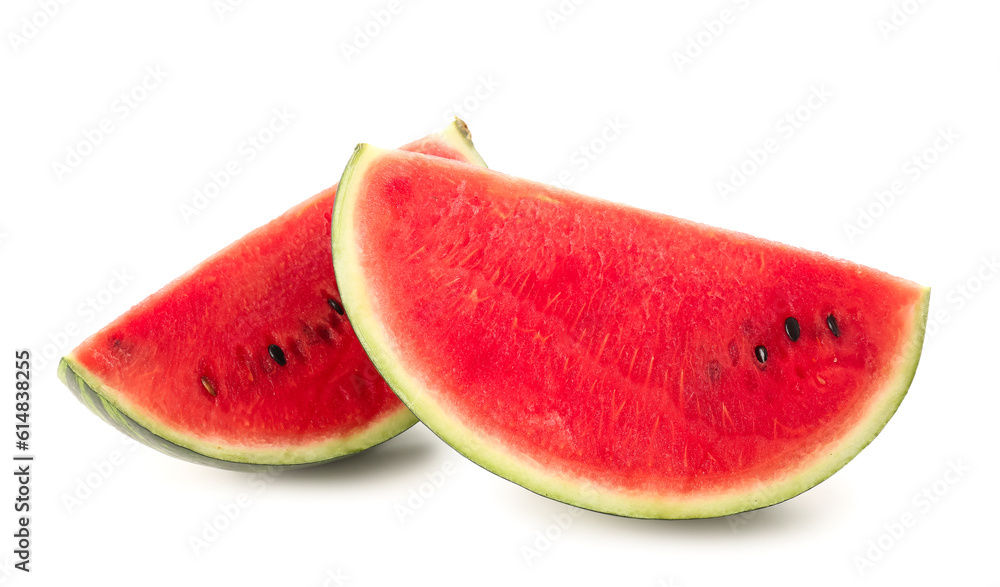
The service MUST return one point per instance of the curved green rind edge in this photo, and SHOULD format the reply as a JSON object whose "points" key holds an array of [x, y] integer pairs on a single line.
{"points": [[87, 388], [458, 136], [490, 453]]}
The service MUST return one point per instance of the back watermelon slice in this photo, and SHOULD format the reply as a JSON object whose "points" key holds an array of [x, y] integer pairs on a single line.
{"points": [[613, 358], [248, 359]]}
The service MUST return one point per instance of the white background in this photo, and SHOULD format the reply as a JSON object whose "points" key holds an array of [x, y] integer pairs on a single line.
{"points": [[544, 90]]}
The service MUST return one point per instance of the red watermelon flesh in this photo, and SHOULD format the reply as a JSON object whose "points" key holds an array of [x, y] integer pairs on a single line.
{"points": [[248, 359], [610, 357]]}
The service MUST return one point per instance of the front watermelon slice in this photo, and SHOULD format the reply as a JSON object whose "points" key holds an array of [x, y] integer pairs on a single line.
{"points": [[613, 358], [248, 359]]}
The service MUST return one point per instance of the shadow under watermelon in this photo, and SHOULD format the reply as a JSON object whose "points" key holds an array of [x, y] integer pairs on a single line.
{"points": [[408, 454]]}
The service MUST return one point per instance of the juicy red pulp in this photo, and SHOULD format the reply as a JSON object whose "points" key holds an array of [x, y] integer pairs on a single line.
{"points": [[203, 354], [619, 344]]}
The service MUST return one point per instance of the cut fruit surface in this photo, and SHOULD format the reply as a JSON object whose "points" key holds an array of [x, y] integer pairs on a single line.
{"points": [[614, 358], [248, 359]]}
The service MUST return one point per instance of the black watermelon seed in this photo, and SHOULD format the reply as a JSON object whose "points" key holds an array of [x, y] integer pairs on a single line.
{"points": [[277, 354], [792, 328], [832, 323], [761, 353], [336, 306]]}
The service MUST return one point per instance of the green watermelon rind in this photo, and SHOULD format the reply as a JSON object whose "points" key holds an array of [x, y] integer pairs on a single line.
{"points": [[458, 136], [113, 407], [110, 407], [535, 476]]}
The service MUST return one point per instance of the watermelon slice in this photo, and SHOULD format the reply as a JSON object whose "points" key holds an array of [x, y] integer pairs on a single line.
{"points": [[248, 359], [613, 358]]}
